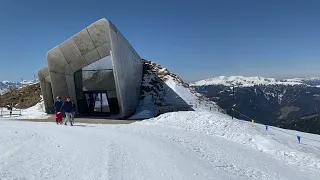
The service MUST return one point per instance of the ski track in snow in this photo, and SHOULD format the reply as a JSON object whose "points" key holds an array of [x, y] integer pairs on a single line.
{"points": [[30, 150]]}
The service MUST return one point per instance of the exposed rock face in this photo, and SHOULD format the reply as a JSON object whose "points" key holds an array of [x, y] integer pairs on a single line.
{"points": [[163, 91], [285, 111], [23, 97], [154, 76], [163, 73]]}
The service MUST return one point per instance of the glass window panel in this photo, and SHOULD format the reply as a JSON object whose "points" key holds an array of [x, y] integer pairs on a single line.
{"points": [[98, 80], [97, 102], [103, 63], [98, 75], [105, 103]]}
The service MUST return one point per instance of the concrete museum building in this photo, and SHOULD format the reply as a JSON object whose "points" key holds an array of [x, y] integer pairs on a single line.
{"points": [[97, 68]]}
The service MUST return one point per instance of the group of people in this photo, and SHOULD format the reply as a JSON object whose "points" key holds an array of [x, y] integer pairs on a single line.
{"points": [[68, 107]]}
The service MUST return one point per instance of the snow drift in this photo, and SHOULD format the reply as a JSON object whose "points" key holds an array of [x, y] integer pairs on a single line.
{"points": [[35, 112], [178, 145], [278, 143]]}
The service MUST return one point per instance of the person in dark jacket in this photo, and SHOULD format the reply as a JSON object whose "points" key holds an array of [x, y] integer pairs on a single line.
{"points": [[67, 107], [57, 109]]}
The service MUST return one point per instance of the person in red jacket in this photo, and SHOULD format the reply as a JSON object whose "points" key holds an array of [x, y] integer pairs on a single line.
{"points": [[57, 108]]}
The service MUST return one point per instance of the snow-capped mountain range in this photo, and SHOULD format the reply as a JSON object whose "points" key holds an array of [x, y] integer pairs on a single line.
{"points": [[289, 103], [252, 81], [4, 85]]}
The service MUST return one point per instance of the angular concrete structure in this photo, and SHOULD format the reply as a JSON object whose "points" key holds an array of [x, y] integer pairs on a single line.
{"points": [[97, 68], [45, 85]]}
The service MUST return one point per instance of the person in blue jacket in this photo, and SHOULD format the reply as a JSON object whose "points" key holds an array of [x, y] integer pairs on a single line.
{"points": [[68, 107]]}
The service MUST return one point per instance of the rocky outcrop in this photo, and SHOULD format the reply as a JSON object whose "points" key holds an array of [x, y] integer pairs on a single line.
{"points": [[23, 97], [154, 77]]}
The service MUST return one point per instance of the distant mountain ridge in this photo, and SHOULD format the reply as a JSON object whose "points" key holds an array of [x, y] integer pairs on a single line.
{"points": [[257, 80], [5, 85], [288, 103]]}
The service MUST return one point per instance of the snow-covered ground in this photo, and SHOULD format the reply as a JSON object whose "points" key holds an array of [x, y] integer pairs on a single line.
{"points": [[179, 145], [184, 93], [35, 112], [2, 91]]}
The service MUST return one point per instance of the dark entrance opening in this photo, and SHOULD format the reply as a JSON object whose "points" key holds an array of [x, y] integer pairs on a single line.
{"points": [[98, 102], [96, 90]]}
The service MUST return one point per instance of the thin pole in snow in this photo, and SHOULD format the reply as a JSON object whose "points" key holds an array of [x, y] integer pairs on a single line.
{"points": [[232, 101]]}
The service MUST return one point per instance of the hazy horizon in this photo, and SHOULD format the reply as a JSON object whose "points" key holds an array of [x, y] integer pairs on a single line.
{"points": [[194, 80]]}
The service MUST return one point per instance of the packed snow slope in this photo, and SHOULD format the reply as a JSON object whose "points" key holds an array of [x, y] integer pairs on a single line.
{"points": [[180, 145]]}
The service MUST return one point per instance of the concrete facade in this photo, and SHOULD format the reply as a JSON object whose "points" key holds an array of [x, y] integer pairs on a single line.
{"points": [[46, 90], [93, 43]]}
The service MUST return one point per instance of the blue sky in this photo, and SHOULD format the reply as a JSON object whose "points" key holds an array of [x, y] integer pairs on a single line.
{"points": [[194, 39]]}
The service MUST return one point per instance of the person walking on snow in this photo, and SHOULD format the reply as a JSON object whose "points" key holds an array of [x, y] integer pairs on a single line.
{"points": [[68, 110], [57, 109]]}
